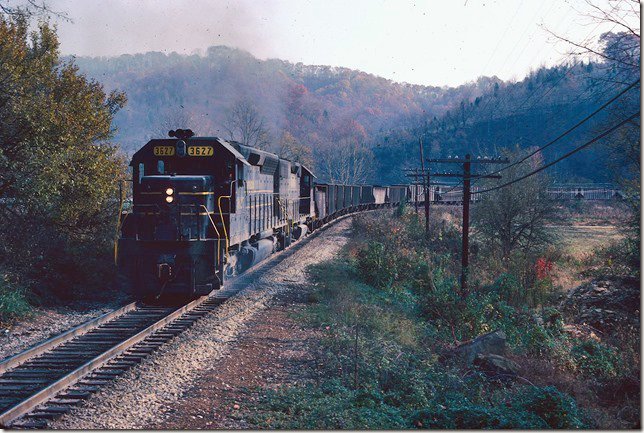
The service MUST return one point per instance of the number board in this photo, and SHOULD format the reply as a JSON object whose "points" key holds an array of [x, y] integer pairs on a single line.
{"points": [[201, 151], [163, 150]]}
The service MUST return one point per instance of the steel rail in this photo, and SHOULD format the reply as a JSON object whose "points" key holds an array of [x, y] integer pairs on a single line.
{"points": [[70, 379], [70, 334], [51, 391]]}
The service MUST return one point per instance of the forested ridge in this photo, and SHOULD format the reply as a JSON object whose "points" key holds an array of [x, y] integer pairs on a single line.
{"points": [[533, 112], [321, 108], [334, 113]]}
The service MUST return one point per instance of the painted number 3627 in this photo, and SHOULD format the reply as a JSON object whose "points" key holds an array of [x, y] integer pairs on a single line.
{"points": [[200, 151]]}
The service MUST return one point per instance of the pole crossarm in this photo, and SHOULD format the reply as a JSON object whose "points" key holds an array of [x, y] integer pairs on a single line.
{"points": [[467, 176], [447, 175], [472, 176], [471, 161]]}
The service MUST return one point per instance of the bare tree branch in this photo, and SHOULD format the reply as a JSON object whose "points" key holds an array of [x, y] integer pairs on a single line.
{"points": [[30, 9], [609, 16], [244, 124], [588, 49]]}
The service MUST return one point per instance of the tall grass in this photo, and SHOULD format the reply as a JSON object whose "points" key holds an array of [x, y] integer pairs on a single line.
{"points": [[13, 302]]}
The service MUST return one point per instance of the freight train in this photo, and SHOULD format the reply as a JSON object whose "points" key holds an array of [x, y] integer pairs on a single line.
{"points": [[205, 209]]}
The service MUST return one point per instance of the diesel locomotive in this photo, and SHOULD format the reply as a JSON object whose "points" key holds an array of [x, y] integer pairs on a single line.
{"points": [[205, 209]]}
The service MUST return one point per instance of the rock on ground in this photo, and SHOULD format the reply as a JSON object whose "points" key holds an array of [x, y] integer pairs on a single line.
{"points": [[606, 304]]}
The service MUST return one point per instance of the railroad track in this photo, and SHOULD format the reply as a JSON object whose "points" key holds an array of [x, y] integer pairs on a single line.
{"points": [[49, 379]]}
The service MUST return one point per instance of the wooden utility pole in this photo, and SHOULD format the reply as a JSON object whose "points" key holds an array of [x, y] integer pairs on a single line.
{"points": [[465, 256], [467, 195], [422, 167], [424, 182]]}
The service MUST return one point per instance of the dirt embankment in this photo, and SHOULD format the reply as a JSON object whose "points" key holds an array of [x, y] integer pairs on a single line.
{"points": [[200, 379]]}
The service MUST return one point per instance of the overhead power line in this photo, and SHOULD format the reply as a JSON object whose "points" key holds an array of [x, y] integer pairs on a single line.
{"points": [[577, 149], [577, 125], [568, 131]]}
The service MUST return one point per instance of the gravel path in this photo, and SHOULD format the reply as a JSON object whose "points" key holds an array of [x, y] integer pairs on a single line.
{"points": [[145, 394], [274, 350]]}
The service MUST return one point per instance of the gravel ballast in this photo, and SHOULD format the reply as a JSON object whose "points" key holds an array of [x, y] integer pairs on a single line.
{"points": [[44, 324], [144, 394]]}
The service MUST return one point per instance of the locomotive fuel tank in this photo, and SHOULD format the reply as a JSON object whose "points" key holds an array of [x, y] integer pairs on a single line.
{"points": [[253, 253]]}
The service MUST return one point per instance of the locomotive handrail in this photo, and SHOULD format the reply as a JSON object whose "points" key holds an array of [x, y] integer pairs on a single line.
{"points": [[223, 222], [116, 241], [119, 224], [216, 230]]}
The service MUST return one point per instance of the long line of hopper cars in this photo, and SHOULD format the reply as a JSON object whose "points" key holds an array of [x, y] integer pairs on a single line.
{"points": [[205, 209]]}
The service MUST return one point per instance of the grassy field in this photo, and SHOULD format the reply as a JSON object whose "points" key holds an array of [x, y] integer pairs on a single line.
{"points": [[578, 244], [579, 241]]}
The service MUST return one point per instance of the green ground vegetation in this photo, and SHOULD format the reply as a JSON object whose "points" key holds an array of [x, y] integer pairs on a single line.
{"points": [[390, 311]]}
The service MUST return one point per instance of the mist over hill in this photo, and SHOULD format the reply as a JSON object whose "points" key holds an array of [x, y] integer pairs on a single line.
{"points": [[319, 106], [349, 125]]}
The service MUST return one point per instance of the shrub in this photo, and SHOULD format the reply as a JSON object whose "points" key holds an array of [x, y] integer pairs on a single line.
{"points": [[558, 410], [529, 408], [469, 416], [619, 258], [595, 360], [377, 265], [329, 407], [13, 303]]}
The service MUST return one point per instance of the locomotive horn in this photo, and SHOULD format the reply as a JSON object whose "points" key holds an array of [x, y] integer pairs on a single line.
{"points": [[181, 133]]}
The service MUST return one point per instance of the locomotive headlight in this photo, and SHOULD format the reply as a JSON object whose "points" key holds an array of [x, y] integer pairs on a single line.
{"points": [[169, 191], [169, 199]]}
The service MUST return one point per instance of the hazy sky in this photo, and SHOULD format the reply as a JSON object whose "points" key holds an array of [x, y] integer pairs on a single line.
{"points": [[433, 42]]}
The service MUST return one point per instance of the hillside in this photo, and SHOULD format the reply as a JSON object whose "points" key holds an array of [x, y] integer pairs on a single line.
{"points": [[316, 105], [534, 112], [354, 127]]}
